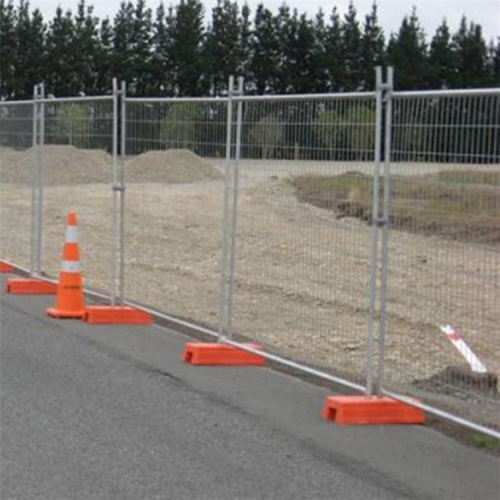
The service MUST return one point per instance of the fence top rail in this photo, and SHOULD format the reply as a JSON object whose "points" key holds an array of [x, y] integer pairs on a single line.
{"points": [[447, 93], [304, 97], [178, 100], [55, 100], [16, 103]]}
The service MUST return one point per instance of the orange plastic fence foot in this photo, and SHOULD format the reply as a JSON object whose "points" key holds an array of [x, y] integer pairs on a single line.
{"points": [[25, 286], [117, 315], [5, 267], [370, 410], [220, 354]]}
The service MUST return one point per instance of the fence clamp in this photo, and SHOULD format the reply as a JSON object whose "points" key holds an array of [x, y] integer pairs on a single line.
{"points": [[381, 221], [118, 187]]}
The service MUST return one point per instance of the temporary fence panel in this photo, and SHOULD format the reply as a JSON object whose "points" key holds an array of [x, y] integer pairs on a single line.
{"points": [[265, 218], [174, 186], [19, 155], [304, 170], [443, 287], [78, 173]]}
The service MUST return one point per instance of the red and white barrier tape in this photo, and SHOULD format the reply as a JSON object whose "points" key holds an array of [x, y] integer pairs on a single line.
{"points": [[464, 349]]}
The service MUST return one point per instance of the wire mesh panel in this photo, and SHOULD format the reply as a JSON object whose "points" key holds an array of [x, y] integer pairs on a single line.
{"points": [[174, 177], [16, 178], [302, 253], [444, 259], [77, 175]]}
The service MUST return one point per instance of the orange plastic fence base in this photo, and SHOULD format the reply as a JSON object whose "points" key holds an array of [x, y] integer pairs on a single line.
{"points": [[30, 286], [65, 314], [370, 410], [220, 354], [6, 267], [117, 315]]}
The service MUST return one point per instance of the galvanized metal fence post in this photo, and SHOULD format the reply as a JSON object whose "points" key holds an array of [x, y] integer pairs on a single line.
{"points": [[35, 188], [121, 191], [114, 187], [388, 87], [223, 298], [234, 227], [374, 231], [37, 180]]}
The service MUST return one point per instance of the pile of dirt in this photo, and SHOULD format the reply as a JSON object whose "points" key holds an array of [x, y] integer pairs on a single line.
{"points": [[171, 166], [67, 165], [63, 165]]}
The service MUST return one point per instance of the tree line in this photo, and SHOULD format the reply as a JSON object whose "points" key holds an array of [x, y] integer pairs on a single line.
{"points": [[172, 51]]}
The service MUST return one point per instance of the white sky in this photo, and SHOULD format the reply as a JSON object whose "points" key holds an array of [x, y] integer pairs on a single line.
{"points": [[390, 12]]}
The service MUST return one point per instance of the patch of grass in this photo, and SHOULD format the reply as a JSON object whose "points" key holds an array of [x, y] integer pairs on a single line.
{"points": [[485, 442], [470, 177], [457, 204]]}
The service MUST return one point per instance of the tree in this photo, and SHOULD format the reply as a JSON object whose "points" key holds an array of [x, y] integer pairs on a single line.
{"points": [[494, 62], [62, 80], [223, 45], [71, 125], [351, 49], [85, 48], [267, 135], [297, 72], [471, 56], [372, 49], [162, 58], [178, 127], [319, 54], [336, 68], [29, 51], [141, 48], [187, 55], [407, 52], [123, 42], [8, 42], [441, 58], [265, 51], [104, 58]]}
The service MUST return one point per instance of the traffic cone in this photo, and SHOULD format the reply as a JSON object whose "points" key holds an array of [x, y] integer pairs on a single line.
{"points": [[69, 297]]}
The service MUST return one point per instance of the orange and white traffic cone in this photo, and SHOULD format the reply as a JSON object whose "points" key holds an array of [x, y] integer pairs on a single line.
{"points": [[69, 297]]}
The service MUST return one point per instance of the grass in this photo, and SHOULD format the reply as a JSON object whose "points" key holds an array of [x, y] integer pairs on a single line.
{"points": [[458, 204]]}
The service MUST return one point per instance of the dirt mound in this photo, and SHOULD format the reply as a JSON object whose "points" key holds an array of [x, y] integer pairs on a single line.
{"points": [[67, 165], [64, 165], [170, 166]]}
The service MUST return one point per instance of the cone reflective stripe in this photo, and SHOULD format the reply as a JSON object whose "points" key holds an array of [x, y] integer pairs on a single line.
{"points": [[69, 298]]}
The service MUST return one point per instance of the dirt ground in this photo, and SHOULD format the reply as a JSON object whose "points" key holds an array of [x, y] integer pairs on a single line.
{"points": [[302, 273]]}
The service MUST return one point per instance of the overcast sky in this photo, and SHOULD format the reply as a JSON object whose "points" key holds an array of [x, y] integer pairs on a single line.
{"points": [[391, 12]]}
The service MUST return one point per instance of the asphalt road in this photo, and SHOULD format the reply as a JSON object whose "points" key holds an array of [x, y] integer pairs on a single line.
{"points": [[93, 412]]}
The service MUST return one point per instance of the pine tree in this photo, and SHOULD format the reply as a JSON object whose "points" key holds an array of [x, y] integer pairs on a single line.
{"points": [[471, 56], [441, 58], [104, 58], [187, 50], [162, 59], [85, 48], [222, 47], [336, 68], [245, 48], [372, 49], [351, 49], [8, 50], [320, 54], [123, 29], [265, 51], [407, 52], [61, 77]]}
